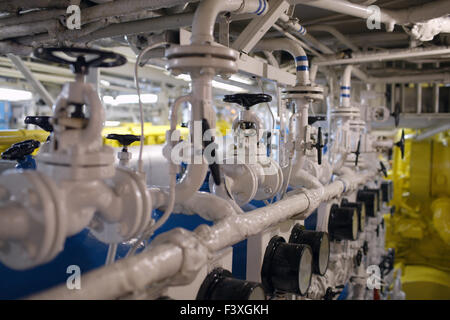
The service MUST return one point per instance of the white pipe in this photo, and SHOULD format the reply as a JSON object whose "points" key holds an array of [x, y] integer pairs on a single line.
{"points": [[415, 14], [293, 48], [208, 10], [165, 260], [14, 222], [208, 206], [387, 56], [346, 87], [338, 35]]}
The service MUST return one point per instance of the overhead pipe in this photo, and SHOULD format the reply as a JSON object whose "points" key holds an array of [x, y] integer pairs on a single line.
{"points": [[410, 15], [346, 87], [338, 35], [179, 252]]}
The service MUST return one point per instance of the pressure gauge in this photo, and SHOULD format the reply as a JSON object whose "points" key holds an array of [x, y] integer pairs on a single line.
{"points": [[343, 223], [319, 243], [287, 267], [221, 285], [379, 195], [361, 209], [370, 198]]}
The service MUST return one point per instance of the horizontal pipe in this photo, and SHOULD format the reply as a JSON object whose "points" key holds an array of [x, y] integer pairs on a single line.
{"points": [[163, 260], [338, 35], [386, 56]]}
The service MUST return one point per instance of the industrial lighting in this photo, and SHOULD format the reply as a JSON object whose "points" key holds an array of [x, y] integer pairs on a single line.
{"points": [[14, 95], [130, 99], [319, 243], [221, 285], [240, 79], [227, 87], [287, 267], [112, 123], [105, 83], [184, 77]]}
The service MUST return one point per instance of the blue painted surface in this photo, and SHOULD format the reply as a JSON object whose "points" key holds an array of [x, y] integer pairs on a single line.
{"points": [[311, 221], [5, 114], [344, 293], [27, 164]]}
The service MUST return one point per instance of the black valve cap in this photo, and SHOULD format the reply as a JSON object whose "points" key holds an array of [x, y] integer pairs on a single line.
{"points": [[387, 190], [358, 258], [361, 209], [319, 243], [379, 195], [370, 198], [124, 139], [19, 150], [287, 267], [247, 100], [221, 285], [365, 247], [343, 223], [42, 122], [314, 119]]}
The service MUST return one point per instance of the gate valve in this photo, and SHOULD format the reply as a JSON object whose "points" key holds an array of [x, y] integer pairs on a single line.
{"points": [[401, 144], [396, 114], [124, 140], [383, 169], [213, 166], [319, 145], [357, 152], [358, 258], [101, 59], [21, 152], [247, 100]]}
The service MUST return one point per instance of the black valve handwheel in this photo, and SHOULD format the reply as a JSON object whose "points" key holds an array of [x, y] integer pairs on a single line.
{"points": [[103, 59]]}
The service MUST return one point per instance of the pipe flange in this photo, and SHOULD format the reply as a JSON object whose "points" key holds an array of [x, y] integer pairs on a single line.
{"points": [[273, 180], [147, 204], [33, 195], [132, 206], [311, 92], [196, 57], [350, 112]]}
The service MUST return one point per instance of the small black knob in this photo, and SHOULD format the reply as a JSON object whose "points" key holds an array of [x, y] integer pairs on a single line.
{"points": [[358, 258], [124, 139], [343, 223], [247, 100], [221, 285], [287, 267], [42, 122], [361, 209], [319, 243], [370, 198], [19, 150], [401, 144], [365, 247], [383, 169], [387, 191], [319, 146], [396, 114], [357, 152]]}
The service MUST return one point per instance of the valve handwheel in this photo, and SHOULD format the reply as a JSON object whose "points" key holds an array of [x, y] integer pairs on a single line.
{"points": [[319, 145], [357, 152], [124, 139], [81, 65], [247, 100], [401, 144], [42, 122]]}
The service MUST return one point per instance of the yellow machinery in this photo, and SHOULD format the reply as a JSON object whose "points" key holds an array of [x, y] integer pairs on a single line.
{"points": [[419, 230], [153, 135]]}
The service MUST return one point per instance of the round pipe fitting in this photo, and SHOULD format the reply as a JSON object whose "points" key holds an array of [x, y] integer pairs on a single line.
{"points": [[319, 243], [287, 267], [361, 209], [221, 285], [370, 198], [343, 223]]}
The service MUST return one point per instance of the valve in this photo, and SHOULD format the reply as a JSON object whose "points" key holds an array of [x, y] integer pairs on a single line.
{"points": [[319, 146], [358, 258], [124, 140], [396, 114], [314, 119], [383, 169], [21, 152], [213, 166], [357, 152], [102, 59], [247, 100], [42, 122], [401, 144]]}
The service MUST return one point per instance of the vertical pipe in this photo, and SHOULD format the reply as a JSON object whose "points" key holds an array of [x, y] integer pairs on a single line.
{"points": [[436, 97], [402, 92], [393, 86], [419, 98]]}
